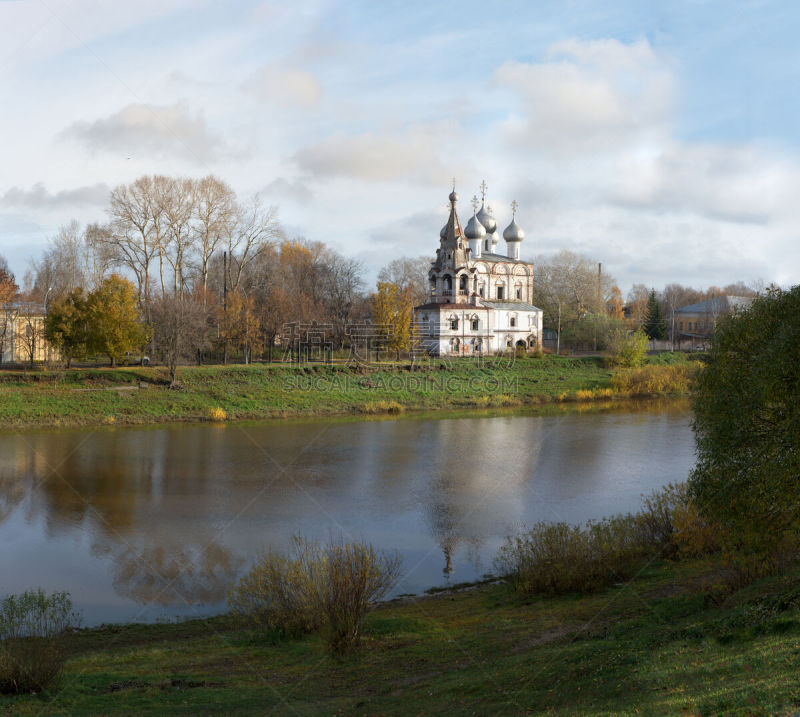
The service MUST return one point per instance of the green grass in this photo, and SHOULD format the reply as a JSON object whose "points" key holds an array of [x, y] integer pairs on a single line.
{"points": [[652, 646], [141, 395]]}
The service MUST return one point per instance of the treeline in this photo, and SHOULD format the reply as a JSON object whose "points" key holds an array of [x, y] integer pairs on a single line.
{"points": [[238, 280]]}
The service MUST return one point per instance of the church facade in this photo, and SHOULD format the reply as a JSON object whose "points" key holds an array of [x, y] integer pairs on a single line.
{"points": [[480, 300]]}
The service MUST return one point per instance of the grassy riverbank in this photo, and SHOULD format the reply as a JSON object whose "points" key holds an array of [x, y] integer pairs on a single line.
{"points": [[656, 645], [141, 395]]}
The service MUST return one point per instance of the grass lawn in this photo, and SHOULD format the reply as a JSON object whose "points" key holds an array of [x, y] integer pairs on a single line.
{"points": [[141, 395], [653, 646]]}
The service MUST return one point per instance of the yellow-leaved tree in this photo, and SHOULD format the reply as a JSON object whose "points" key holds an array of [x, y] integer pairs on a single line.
{"points": [[113, 318], [392, 309]]}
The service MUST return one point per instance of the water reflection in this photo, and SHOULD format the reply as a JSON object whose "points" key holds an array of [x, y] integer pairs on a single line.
{"points": [[161, 521]]}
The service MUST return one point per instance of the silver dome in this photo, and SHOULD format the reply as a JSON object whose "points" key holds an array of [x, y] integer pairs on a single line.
{"points": [[495, 238], [513, 232], [443, 233], [453, 196], [485, 217], [474, 229]]}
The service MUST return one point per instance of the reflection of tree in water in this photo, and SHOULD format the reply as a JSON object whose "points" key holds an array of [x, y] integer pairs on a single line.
{"points": [[12, 491], [477, 475], [154, 574]]}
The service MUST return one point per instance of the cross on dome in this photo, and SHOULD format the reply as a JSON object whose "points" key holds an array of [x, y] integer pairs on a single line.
{"points": [[483, 190], [474, 203], [514, 207]]}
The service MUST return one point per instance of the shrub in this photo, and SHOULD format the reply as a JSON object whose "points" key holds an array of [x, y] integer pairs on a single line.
{"points": [[32, 625], [217, 414], [655, 379], [315, 586], [277, 594], [626, 348], [556, 557]]}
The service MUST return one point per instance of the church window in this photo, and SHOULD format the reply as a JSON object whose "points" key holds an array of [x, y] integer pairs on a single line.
{"points": [[486, 245], [474, 324], [482, 291], [463, 284], [454, 324], [519, 293], [500, 293], [512, 322]]}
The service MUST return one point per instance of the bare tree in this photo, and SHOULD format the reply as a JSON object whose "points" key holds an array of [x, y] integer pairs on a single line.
{"points": [[410, 274], [180, 325], [176, 200], [135, 230], [214, 211], [254, 228]]}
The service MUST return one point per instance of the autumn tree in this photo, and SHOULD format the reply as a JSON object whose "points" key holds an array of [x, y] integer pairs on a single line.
{"points": [[392, 311], [638, 297], [114, 323], [67, 325], [615, 306], [8, 292]]}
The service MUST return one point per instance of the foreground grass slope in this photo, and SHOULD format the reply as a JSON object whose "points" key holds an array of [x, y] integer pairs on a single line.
{"points": [[141, 395], [656, 645]]}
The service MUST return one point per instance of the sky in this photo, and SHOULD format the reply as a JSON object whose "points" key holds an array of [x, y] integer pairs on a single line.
{"points": [[661, 139]]}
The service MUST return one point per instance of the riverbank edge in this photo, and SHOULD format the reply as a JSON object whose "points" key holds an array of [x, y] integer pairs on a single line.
{"points": [[85, 398], [656, 644]]}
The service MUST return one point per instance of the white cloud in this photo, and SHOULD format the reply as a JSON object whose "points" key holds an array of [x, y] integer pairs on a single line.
{"points": [[410, 155], [286, 86], [158, 131], [592, 96], [735, 183], [286, 189], [39, 198]]}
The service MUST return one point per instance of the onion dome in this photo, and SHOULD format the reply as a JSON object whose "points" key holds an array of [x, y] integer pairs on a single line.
{"points": [[495, 238], [513, 232], [474, 229], [485, 217], [443, 232], [453, 197]]}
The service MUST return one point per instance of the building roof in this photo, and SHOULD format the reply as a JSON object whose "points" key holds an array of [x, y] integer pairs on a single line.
{"points": [[717, 305], [487, 256], [510, 305], [445, 305]]}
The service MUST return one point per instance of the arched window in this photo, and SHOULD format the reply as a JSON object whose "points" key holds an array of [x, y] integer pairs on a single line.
{"points": [[462, 284], [447, 282], [501, 292], [512, 321], [453, 321], [474, 323]]}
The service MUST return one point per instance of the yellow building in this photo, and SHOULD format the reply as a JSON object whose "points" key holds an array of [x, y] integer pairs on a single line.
{"points": [[696, 322], [22, 334]]}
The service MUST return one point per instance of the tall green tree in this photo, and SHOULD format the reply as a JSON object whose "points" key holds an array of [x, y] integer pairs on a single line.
{"points": [[655, 326], [114, 323], [67, 325], [747, 426]]}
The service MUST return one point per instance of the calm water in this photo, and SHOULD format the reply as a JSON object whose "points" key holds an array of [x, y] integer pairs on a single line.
{"points": [[139, 524]]}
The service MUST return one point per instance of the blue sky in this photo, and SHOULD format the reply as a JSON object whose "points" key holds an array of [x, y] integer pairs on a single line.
{"points": [[659, 138]]}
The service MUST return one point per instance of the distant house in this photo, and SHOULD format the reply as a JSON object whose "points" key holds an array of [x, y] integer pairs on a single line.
{"points": [[695, 323], [22, 334]]}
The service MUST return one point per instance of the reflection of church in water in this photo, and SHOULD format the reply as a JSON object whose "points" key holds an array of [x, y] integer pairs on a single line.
{"points": [[480, 301]]}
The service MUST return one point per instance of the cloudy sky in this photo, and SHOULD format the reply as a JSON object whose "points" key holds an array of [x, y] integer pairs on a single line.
{"points": [[659, 138]]}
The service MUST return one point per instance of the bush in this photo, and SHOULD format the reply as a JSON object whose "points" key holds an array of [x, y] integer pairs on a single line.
{"points": [[31, 648], [555, 558], [655, 379], [626, 348], [315, 586]]}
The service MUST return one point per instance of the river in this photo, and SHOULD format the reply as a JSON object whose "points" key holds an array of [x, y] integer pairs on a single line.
{"points": [[151, 523]]}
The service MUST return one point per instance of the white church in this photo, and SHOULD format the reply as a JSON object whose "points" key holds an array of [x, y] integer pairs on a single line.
{"points": [[480, 300]]}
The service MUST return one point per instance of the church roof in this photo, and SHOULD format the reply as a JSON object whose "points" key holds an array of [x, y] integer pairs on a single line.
{"points": [[486, 256], [510, 305]]}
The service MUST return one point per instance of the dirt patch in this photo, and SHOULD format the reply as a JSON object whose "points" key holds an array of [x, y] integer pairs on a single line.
{"points": [[177, 684], [546, 636]]}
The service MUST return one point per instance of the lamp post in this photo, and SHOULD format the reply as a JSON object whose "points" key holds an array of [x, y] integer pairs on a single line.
{"points": [[44, 327]]}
